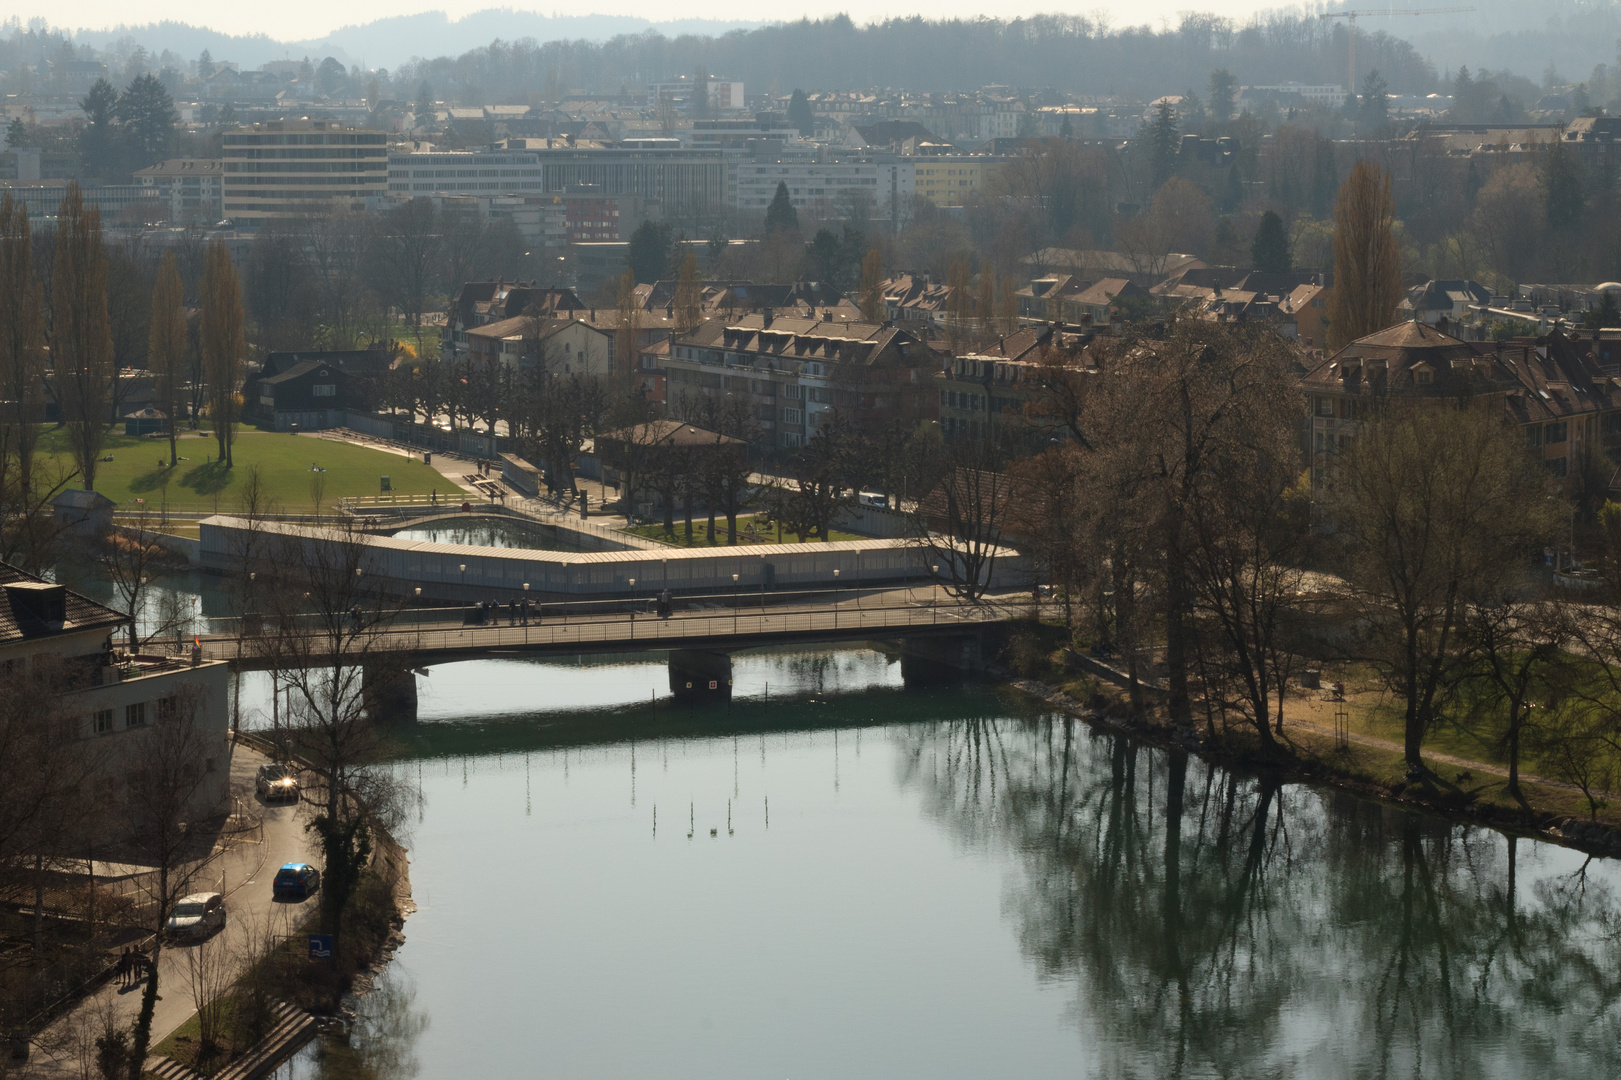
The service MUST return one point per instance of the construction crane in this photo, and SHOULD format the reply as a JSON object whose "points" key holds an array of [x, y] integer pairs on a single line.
{"points": [[1351, 17]]}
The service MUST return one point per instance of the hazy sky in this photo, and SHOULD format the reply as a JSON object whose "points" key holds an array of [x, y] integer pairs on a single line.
{"points": [[304, 19]]}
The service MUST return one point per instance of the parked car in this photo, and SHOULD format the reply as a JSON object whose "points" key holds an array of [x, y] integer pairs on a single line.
{"points": [[276, 782], [197, 916], [296, 880]]}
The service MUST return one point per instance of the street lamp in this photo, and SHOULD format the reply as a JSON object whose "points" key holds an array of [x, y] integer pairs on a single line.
{"points": [[835, 598], [736, 600], [935, 570]]}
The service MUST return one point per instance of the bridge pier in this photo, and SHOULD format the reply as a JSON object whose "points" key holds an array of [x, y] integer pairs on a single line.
{"points": [[389, 693], [928, 661], [699, 674]]}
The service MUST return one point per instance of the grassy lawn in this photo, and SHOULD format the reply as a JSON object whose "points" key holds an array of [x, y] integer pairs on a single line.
{"points": [[701, 537], [200, 482]]}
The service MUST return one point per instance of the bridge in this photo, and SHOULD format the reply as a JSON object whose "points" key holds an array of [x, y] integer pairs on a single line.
{"points": [[700, 640]]}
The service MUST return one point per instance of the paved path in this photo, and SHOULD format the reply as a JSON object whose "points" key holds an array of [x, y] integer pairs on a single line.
{"points": [[243, 872]]}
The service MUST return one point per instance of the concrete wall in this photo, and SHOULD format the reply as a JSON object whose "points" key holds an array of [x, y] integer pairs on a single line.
{"points": [[436, 568]]}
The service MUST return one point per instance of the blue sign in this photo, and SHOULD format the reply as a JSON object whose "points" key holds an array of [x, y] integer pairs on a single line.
{"points": [[320, 946]]}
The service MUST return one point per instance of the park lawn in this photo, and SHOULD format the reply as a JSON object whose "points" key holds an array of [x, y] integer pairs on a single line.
{"points": [[199, 482], [701, 538]]}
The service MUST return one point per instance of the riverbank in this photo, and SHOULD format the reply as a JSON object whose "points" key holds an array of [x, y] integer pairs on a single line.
{"points": [[1463, 789]]}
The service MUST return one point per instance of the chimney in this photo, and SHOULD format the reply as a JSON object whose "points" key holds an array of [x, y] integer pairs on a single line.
{"points": [[766, 315]]}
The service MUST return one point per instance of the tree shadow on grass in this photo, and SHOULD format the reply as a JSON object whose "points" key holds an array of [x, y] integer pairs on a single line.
{"points": [[152, 481], [209, 479]]}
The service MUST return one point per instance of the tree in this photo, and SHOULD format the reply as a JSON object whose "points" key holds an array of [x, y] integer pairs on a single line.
{"points": [[1367, 262], [16, 133], [166, 349], [1222, 86], [407, 245], [688, 295], [1561, 179], [147, 118], [205, 65], [872, 282], [98, 139], [81, 339], [800, 115], [165, 794], [1437, 506], [961, 512], [1375, 112], [1163, 142], [22, 343], [1270, 251], [649, 251], [424, 113], [1606, 315], [781, 216], [223, 344]]}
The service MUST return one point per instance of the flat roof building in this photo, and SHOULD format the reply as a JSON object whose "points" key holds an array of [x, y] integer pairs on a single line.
{"points": [[292, 168]]}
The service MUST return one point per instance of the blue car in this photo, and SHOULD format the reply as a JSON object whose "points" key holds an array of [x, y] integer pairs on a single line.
{"points": [[296, 880]]}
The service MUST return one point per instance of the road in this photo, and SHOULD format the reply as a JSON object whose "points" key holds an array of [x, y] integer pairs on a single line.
{"points": [[243, 872]]}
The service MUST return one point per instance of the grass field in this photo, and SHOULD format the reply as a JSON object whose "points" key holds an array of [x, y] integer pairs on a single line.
{"points": [[200, 482], [701, 538]]}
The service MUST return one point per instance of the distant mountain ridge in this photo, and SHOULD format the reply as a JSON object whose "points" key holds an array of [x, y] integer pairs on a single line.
{"points": [[392, 41]]}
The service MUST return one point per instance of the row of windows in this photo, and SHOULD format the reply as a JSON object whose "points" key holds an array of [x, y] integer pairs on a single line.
{"points": [[451, 174], [103, 721], [321, 139], [306, 155]]}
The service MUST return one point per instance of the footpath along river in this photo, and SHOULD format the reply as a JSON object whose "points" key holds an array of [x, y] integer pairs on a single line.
{"points": [[857, 878]]}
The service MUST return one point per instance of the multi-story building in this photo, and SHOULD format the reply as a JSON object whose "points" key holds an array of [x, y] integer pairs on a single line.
{"points": [[723, 93], [116, 202], [795, 373], [64, 644], [290, 168], [672, 183], [1552, 387], [949, 180], [464, 172], [592, 216], [192, 187], [815, 185]]}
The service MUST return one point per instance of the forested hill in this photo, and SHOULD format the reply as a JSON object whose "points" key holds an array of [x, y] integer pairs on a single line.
{"points": [[1067, 53]]}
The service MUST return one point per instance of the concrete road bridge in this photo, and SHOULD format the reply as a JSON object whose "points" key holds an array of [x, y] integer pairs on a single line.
{"points": [[926, 625]]}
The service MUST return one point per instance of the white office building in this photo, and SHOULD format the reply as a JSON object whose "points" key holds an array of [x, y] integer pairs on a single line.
{"points": [[470, 172]]}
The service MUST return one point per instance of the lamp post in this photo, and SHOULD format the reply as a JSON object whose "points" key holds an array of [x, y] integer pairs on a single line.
{"points": [[736, 600], [935, 570], [632, 607], [835, 598]]}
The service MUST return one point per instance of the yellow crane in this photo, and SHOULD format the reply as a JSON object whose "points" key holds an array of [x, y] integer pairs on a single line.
{"points": [[1351, 17]]}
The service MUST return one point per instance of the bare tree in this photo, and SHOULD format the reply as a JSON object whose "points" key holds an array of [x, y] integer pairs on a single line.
{"points": [[961, 514], [81, 341], [166, 351], [224, 345], [22, 344], [1436, 507], [1367, 262]]}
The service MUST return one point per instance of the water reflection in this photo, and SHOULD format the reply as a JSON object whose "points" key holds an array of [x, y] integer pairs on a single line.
{"points": [[1214, 924], [837, 875], [381, 1042], [488, 532]]}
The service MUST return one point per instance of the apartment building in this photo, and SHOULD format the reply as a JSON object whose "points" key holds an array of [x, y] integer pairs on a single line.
{"points": [[796, 372], [289, 168], [949, 180], [192, 187], [671, 182], [471, 172], [816, 185]]}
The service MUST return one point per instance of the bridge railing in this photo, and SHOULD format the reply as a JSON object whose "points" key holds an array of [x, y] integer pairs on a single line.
{"points": [[709, 625]]}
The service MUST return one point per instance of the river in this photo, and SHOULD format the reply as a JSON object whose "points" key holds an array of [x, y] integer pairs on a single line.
{"points": [[836, 875]]}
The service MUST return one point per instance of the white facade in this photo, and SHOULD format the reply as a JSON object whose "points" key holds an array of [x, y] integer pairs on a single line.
{"points": [[1332, 96], [464, 173], [816, 184]]}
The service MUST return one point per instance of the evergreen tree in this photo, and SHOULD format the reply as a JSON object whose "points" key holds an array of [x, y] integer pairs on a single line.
{"points": [[98, 139], [166, 345], [1375, 102], [1028, 127], [147, 118], [205, 65], [81, 332], [1562, 184], [423, 109], [1163, 139], [16, 132], [1606, 316], [1325, 178], [1270, 251], [800, 115], [1233, 197], [781, 216], [1222, 88], [223, 344], [649, 252]]}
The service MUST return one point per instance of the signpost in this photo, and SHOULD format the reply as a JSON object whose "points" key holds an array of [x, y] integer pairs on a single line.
{"points": [[320, 946]]}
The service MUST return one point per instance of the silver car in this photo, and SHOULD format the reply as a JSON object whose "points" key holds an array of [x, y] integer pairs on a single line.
{"points": [[197, 916], [276, 782]]}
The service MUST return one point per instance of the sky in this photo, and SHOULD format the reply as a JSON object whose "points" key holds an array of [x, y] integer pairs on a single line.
{"points": [[306, 19]]}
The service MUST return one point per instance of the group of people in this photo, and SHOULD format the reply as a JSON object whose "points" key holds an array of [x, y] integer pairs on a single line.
{"points": [[131, 969], [518, 612]]}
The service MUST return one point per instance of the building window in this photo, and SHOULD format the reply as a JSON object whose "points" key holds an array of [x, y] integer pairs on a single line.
{"points": [[790, 416], [135, 715], [1325, 406], [167, 708], [103, 720], [324, 390], [1533, 437], [1553, 434]]}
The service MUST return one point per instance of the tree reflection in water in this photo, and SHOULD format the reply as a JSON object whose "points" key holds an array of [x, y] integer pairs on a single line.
{"points": [[1216, 924], [382, 1043]]}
